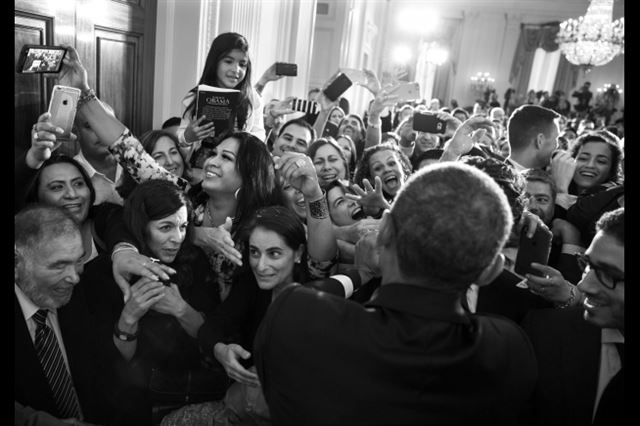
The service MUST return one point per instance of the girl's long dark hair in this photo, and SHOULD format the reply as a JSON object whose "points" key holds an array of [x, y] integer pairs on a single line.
{"points": [[220, 46]]}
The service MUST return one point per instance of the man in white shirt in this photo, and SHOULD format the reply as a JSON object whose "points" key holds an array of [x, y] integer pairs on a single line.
{"points": [[55, 364], [580, 350], [102, 168]]}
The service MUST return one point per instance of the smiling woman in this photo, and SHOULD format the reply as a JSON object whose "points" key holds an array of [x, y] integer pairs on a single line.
{"points": [[155, 329], [63, 182]]}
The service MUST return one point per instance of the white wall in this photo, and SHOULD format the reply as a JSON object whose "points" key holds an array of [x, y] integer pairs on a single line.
{"points": [[277, 30]]}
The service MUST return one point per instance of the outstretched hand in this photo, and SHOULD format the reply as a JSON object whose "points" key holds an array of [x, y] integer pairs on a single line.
{"points": [[462, 140], [371, 199]]}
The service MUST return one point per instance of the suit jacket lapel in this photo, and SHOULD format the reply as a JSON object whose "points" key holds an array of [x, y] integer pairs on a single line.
{"points": [[581, 358]]}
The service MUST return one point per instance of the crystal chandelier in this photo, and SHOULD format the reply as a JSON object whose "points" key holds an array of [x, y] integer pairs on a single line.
{"points": [[592, 40], [482, 81]]}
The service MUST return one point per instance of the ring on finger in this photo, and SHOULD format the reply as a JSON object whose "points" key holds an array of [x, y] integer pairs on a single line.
{"points": [[300, 162]]}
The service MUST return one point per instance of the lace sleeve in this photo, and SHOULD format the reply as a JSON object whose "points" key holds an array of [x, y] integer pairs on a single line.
{"points": [[128, 151], [319, 269]]}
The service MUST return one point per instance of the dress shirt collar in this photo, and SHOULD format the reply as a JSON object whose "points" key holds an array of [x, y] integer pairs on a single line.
{"points": [[612, 335], [28, 307], [91, 171], [421, 301]]}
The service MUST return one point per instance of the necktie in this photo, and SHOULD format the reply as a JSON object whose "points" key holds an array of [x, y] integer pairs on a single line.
{"points": [[54, 368]]}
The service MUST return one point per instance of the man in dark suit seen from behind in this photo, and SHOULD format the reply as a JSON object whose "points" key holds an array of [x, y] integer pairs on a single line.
{"points": [[411, 355], [55, 362]]}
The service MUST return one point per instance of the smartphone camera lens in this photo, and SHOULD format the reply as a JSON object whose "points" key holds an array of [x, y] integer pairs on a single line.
{"points": [[65, 102]]}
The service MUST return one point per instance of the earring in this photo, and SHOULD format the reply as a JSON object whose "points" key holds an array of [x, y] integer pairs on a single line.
{"points": [[235, 194]]}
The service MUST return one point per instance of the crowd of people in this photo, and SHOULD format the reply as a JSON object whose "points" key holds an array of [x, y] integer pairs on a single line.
{"points": [[320, 268]]}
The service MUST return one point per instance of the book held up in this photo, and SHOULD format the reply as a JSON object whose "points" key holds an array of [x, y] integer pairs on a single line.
{"points": [[217, 105]]}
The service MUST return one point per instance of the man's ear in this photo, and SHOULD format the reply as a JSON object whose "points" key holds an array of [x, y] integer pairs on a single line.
{"points": [[386, 230], [18, 259], [492, 271], [539, 140]]}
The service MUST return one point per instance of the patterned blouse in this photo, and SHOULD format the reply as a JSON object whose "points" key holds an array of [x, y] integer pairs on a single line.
{"points": [[128, 151]]}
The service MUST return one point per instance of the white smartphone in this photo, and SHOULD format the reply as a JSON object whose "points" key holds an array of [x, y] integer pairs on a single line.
{"points": [[62, 107], [355, 75], [406, 91]]}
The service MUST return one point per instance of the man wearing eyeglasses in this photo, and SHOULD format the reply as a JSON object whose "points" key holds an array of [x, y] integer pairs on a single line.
{"points": [[580, 350]]}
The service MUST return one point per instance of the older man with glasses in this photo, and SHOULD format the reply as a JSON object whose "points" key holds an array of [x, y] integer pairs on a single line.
{"points": [[580, 350]]}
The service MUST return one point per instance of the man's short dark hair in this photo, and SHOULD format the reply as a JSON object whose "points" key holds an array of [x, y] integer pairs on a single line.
{"points": [[612, 223], [540, 175], [173, 121], [526, 122], [37, 223], [302, 123], [450, 221]]}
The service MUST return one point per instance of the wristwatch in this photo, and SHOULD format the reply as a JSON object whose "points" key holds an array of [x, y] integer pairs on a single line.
{"points": [[123, 335]]}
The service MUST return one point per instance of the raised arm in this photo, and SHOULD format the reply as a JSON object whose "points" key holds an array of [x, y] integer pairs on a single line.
{"points": [[299, 170]]}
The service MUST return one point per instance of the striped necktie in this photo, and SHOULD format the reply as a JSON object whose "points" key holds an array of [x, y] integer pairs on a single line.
{"points": [[54, 368]]}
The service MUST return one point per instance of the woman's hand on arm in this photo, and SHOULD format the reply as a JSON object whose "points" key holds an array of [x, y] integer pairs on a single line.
{"points": [[43, 141], [128, 263], [218, 239], [228, 356]]}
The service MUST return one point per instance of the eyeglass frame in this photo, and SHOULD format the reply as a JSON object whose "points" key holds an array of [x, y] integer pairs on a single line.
{"points": [[585, 265]]}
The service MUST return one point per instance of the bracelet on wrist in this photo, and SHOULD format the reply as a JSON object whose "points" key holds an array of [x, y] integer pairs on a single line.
{"points": [[572, 297], [123, 335], [86, 96], [319, 209]]}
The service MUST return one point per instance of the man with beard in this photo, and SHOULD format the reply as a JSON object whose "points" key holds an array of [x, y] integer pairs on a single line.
{"points": [[56, 367]]}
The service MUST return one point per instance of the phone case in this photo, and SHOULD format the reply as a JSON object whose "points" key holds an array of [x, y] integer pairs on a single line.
{"points": [[62, 107], [40, 59], [330, 129], [283, 68], [306, 106], [338, 87], [406, 91], [535, 249], [428, 123]]}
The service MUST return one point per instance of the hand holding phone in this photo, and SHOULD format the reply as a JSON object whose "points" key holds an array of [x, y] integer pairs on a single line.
{"points": [[535, 249], [62, 107], [406, 91], [40, 59], [428, 122], [337, 87]]}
